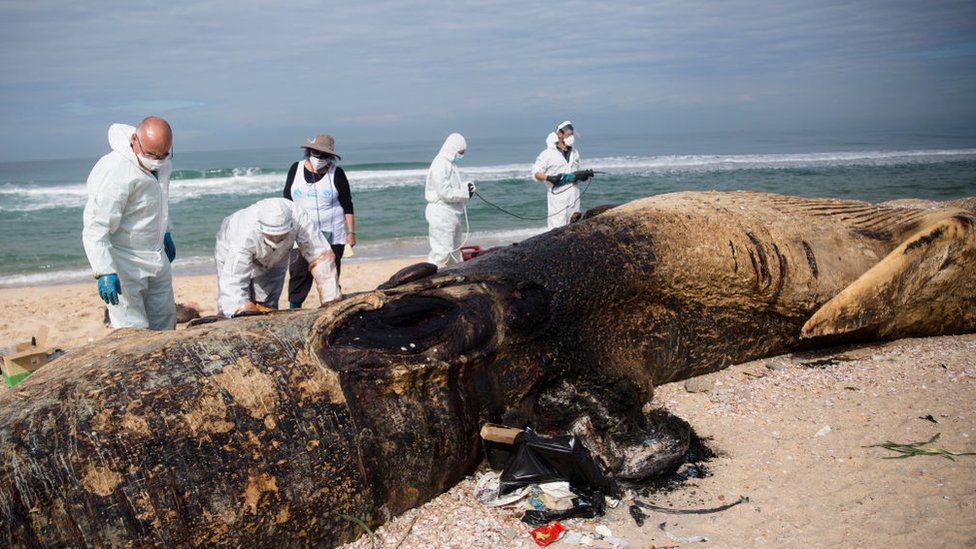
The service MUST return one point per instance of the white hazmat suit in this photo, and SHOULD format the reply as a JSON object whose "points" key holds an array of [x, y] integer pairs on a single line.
{"points": [[125, 218], [446, 198], [250, 267], [564, 200]]}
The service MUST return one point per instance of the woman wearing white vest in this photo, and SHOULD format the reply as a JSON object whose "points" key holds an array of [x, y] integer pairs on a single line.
{"points": [[252, 252], [446, 198], [555, 166], [322, 191]]}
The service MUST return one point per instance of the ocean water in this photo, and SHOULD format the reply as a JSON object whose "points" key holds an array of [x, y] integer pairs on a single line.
{"points": [[41, 202]]}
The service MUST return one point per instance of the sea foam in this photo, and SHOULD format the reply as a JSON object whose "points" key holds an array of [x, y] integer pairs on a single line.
{"points": [[25, 197]]}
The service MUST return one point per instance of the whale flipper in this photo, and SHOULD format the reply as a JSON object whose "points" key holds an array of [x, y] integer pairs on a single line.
{"points": [[908, 291]]}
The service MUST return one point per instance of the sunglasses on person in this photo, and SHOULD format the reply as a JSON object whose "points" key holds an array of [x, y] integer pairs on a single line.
{"points": [[320, 154]]}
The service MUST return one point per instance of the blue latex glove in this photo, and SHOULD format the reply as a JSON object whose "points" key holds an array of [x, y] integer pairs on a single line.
{"points": [[560, 180], [109, 288], [169, 247]]}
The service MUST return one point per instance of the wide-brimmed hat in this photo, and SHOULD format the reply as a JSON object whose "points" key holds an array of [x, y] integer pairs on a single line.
{"points": [[322, 143]]}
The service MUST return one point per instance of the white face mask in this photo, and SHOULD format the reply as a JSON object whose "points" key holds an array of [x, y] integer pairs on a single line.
{"points": [[274, 245], [151, 164], [569, 140], [318, 163]]}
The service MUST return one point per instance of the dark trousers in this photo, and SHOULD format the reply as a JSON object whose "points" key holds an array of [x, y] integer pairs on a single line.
{"points": [[300, 279]]}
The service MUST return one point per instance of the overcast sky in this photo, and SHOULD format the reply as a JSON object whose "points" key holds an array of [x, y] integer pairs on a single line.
{"points": [[241, 74]]}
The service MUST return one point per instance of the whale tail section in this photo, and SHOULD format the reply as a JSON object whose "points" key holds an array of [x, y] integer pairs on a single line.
{"points": [[925, 286]]}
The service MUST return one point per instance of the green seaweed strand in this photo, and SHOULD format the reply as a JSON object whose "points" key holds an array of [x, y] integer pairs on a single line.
{"points": [[359, 522], [915, 449]]}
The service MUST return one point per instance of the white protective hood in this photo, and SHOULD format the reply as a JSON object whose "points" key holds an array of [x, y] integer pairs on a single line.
{"points": [[275, 217], [551, 140], [119, 138], [454, 143]]}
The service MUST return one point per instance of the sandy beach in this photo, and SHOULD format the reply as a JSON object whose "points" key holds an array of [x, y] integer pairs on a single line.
{"points": [[74, 312], [790, 433]]}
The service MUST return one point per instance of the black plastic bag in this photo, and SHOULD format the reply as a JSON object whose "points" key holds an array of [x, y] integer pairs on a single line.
{"points": [[537, 460]]}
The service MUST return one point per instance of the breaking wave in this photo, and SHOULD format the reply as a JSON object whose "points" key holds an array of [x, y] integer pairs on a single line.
{"points": [[192, 184]]}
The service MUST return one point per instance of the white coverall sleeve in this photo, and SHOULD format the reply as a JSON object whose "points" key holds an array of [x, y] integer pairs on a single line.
{"points": [[446, 185], [311, 243], [103, 213], [234, 280], [169, 172], [540, 166]]}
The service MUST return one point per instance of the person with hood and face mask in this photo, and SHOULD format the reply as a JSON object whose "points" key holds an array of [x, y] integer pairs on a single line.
{"points": [[555, 166], [126, 231], [252, 252], [447, 198]]}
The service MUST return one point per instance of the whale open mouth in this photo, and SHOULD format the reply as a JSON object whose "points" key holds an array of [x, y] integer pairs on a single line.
{"points": [[408, 325], [412, 329], [450, 323]]}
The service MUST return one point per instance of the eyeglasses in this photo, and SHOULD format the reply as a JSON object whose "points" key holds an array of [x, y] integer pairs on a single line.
{"points": [[163, 156]]}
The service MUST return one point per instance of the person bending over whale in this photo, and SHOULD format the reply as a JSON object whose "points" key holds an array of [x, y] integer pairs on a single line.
{"points": [[253, 246]]}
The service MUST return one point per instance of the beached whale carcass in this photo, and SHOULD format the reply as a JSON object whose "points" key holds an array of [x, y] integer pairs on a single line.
{"points": [[278, 428]]}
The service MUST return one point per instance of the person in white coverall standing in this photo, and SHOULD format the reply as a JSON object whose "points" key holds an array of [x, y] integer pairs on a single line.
{"points": [[556, 167], [252, 252], [446, 198], [127, 229]]}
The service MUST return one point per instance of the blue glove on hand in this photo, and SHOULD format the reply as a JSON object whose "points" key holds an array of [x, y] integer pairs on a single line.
{"points": [[169, 247], [109, 288], [560, 180]]}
